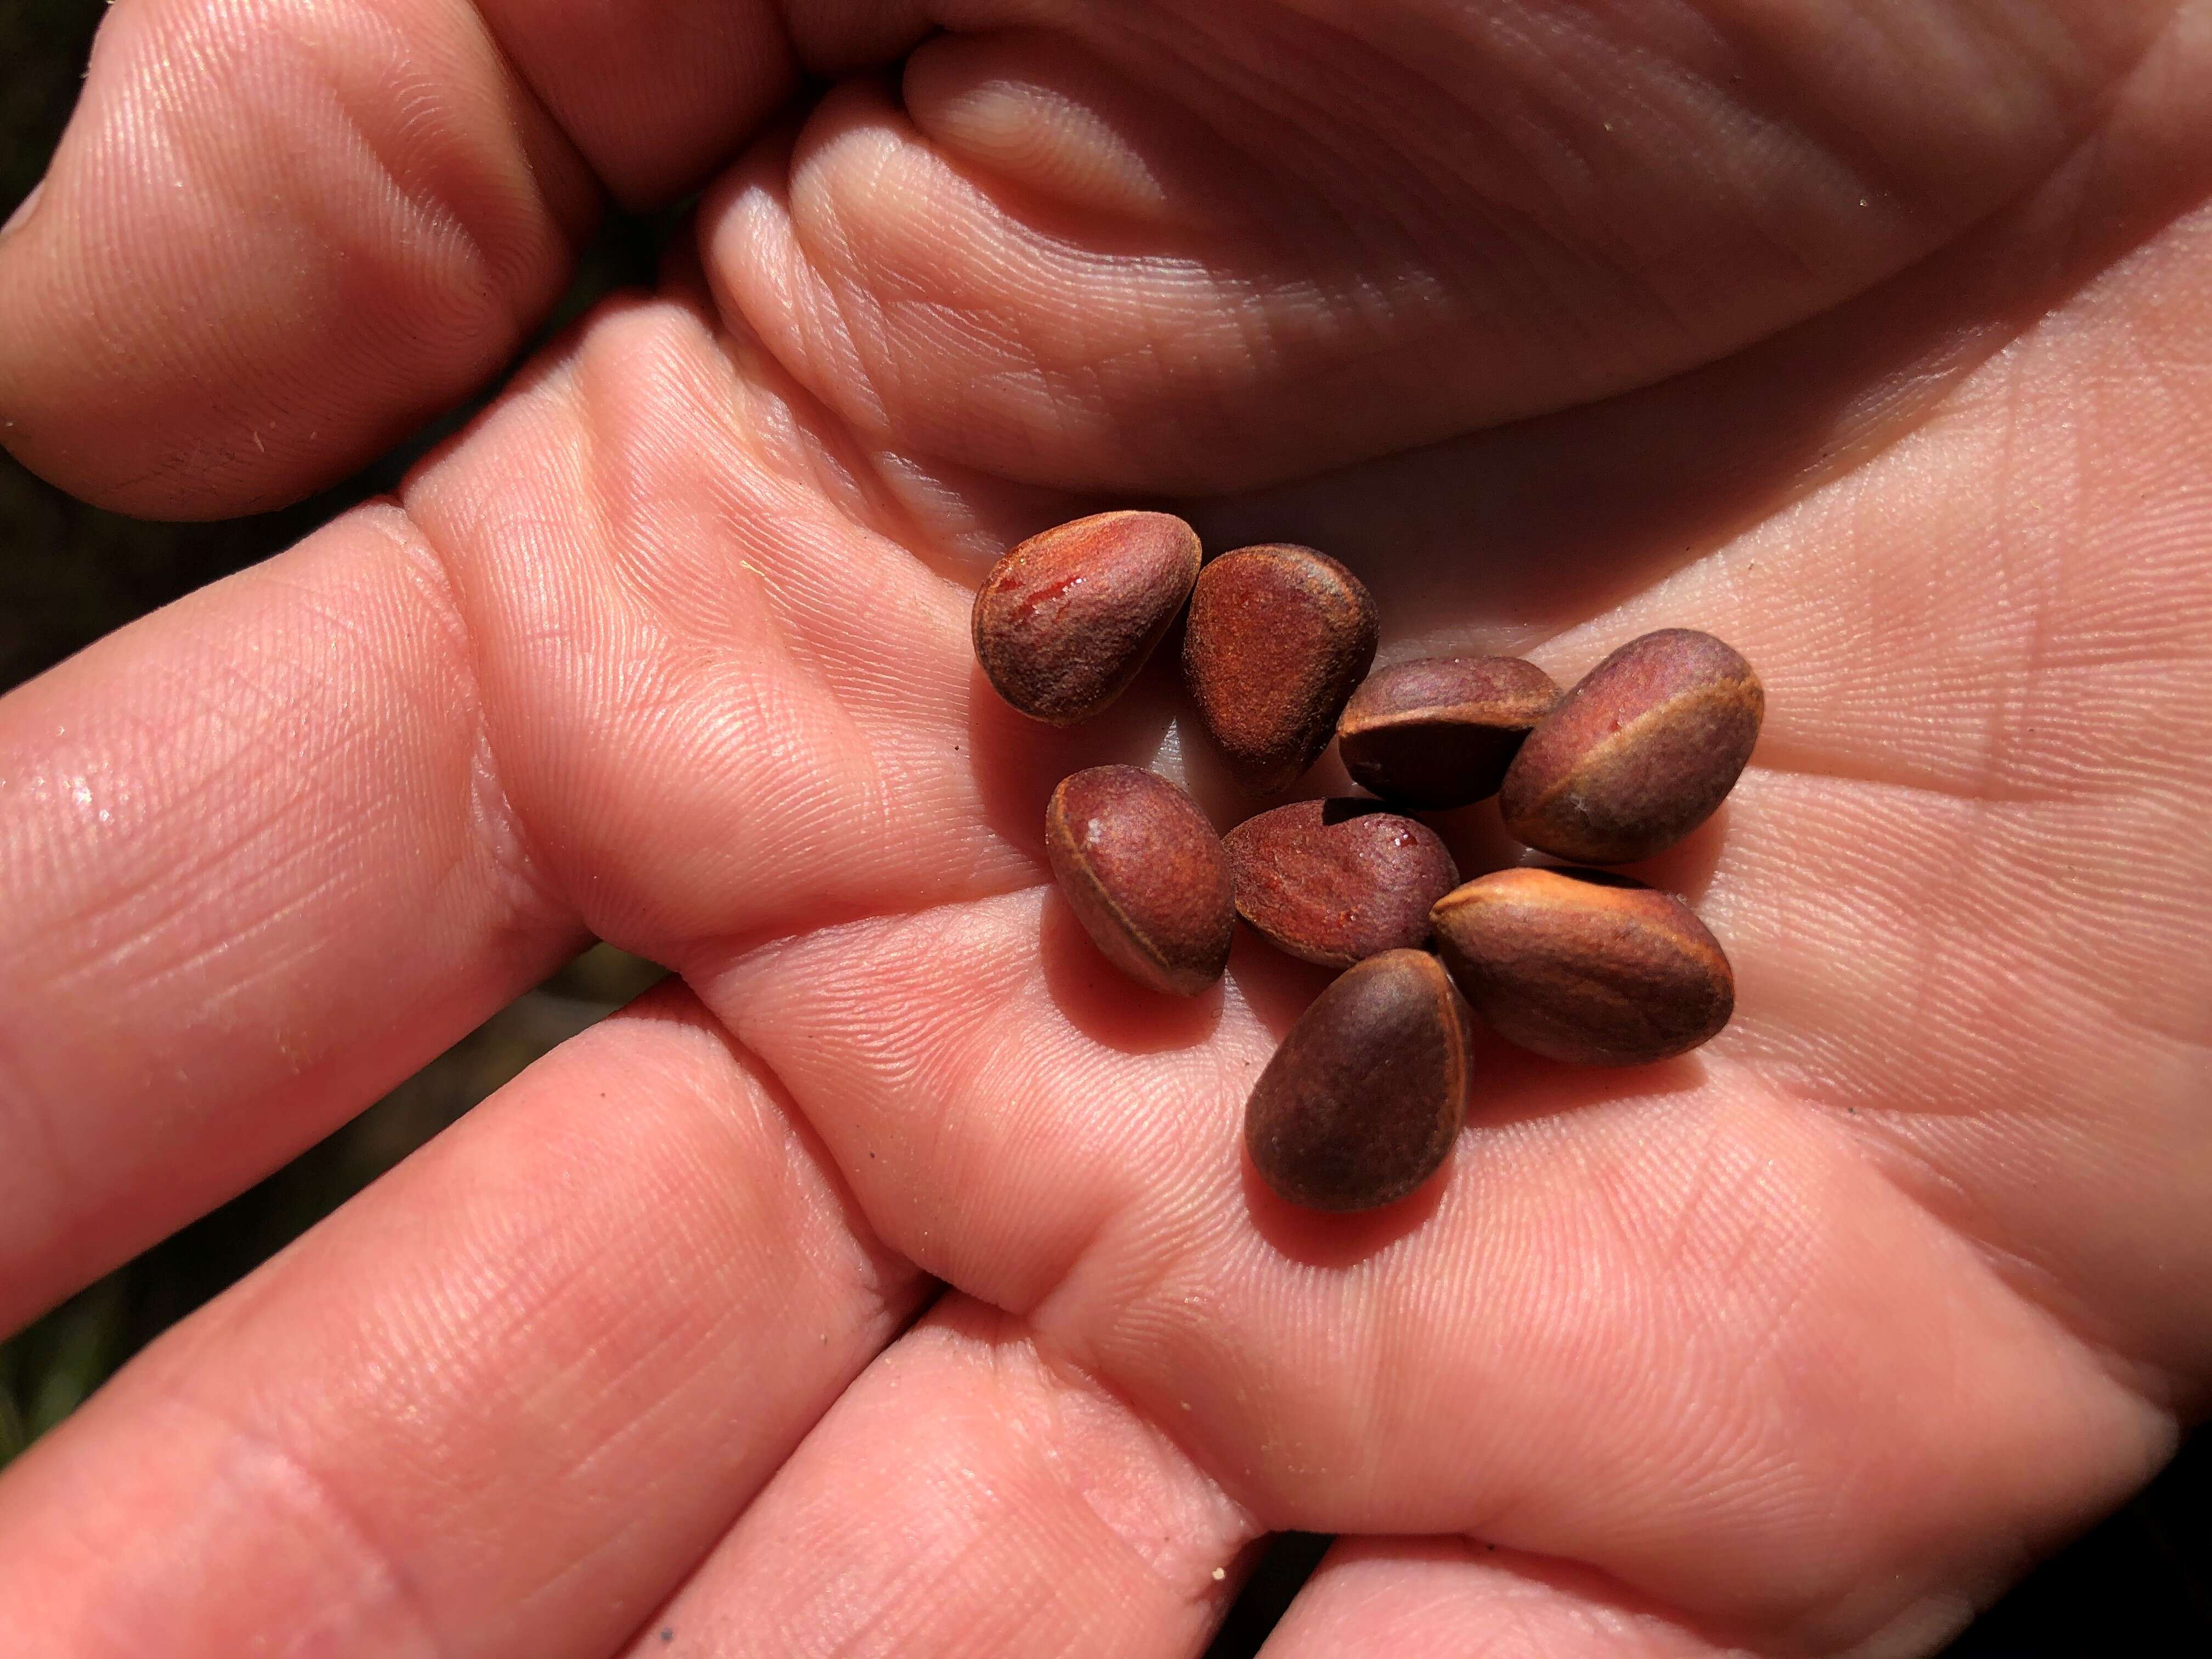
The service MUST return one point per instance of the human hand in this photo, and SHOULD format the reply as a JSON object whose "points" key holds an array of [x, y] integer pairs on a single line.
{"points": [[1872, 338]]}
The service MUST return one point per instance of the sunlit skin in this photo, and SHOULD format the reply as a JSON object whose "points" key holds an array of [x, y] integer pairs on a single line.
{"points": [[891, 1282]]}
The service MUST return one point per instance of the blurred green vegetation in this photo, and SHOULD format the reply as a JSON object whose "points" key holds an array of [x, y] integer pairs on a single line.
{"points": [[2141, 1584]]}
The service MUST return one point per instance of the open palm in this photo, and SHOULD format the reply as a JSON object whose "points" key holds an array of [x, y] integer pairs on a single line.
{"points": [[892, 1282]]}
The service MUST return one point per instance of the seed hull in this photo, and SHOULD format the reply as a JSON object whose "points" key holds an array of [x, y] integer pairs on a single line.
{"points": [[1368, 1091]]}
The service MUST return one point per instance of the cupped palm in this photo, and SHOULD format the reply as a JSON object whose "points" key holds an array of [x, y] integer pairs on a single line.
{"points": [[1871, 338]]}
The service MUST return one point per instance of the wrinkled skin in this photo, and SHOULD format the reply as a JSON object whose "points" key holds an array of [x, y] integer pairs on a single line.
{"points": [[890, 1282]]}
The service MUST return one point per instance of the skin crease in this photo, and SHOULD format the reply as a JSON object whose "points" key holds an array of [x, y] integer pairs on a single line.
{"points": [[1871, 338]]}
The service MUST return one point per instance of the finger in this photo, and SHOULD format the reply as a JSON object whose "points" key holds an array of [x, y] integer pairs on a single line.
{"points": [[655, 97], [275, 238], [1376, 1598], [1142, 248], [968, 1496], [258, 868], [272, 240], [620, 669], [413, 239], [498, 1404]]}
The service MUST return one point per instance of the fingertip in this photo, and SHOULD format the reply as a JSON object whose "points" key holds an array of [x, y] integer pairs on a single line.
{"points": [[262, 255]]}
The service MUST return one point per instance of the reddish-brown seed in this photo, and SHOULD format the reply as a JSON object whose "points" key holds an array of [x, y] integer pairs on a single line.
{"points": [[1441, 731], [1337, 881], [1278, 636], [1064, 622], [1640, 753], [1146, 875], [1585, 966], [1369, 1090]]}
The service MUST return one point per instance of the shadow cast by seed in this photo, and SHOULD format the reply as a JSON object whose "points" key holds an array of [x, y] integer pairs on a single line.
{"points": [[1475, 837], [1017, 761], [1343, 808], [1211, 781], [1275, 986], [1105, 1003], [1337, 1240], [1513, 1086], [1685, 869]]}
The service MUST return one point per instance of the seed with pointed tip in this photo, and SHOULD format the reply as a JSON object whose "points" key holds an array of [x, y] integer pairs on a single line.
{"points": [[1441, 731], [1337, 881], [1278, 636], [1585, 966], [1639, 753], [1145, 874], [1368, 1091], [1064, 622]]}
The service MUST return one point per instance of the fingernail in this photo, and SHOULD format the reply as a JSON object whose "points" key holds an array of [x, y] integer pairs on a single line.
{"points": [[22, 212]]}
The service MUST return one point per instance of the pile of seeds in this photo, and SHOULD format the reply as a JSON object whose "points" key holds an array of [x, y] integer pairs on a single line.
{"points": [[1367, 1093]]}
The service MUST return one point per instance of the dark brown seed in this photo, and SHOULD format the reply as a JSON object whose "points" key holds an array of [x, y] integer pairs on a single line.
{"points": [[1441, 731], [1337, 881], [1144, 873], [1367, 1093], [1585, 966], [1638, 754], [1064, 622], [1278, 636]]}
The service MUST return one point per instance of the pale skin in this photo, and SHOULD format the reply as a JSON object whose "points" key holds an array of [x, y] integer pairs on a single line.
{"points": [[891, 1281]]}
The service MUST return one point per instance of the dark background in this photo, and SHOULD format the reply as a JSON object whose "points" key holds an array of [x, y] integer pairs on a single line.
{"points": [[2139, 1584]]}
